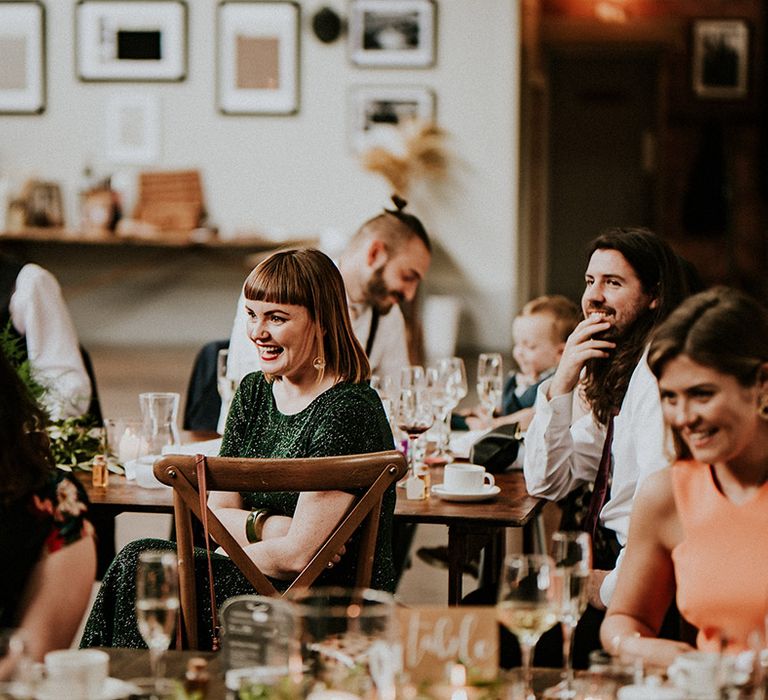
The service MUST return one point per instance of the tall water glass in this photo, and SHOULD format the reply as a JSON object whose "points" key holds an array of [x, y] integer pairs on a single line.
{"points": [[157, 602], [526, 605], [490, 381], [160, 417], [572, 552]]}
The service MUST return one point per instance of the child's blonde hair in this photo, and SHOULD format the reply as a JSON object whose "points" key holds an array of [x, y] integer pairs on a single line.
{"points": [[565, 314]]}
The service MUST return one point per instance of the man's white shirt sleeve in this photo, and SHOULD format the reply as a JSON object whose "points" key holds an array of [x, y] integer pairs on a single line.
{"points": [[39, 313]]}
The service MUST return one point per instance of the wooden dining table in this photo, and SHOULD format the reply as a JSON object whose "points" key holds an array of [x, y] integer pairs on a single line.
{"points": [[471, 525]]}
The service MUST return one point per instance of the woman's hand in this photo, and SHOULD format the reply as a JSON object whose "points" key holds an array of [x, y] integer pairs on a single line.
{"points": [[580, 347]]}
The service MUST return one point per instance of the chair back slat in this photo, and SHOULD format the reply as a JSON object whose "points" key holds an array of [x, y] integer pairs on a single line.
{"points": [[372, 473]]}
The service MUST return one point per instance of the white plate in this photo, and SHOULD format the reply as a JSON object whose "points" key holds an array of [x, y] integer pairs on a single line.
{"points": [[487, 492]]}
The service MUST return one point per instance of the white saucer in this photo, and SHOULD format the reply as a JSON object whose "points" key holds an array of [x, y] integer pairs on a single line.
{"points": [[113, 689], [487, 492]]}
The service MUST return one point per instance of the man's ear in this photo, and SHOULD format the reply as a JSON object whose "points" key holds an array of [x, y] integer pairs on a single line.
{"points": [[654, 303], [762, 377], [377, 254]]}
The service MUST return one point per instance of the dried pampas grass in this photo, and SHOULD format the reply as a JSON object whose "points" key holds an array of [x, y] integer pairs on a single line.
{"points": [[423, 156]]}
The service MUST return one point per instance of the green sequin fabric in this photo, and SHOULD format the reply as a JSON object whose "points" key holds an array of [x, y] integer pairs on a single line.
{"points": [[346, 419]]}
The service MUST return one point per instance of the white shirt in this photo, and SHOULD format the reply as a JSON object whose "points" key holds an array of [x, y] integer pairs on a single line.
{"points": [[39, 313], [388, 354], [564, 446]]}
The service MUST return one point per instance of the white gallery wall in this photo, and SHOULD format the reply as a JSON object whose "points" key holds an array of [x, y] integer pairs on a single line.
{"points": [[293, 175]]}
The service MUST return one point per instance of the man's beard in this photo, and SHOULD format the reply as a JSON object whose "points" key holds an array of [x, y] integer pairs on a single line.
{"points": [[378, 295], [607, 378]]}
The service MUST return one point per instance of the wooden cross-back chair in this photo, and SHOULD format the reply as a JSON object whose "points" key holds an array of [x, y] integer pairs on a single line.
{"points": [[372, 473]]}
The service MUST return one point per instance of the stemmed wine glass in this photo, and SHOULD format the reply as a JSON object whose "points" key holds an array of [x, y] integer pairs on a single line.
{"points": [[489, 382], [157, 603], [225, 384], [437, 380], [526, 605], [572, 553], [414, 417]]}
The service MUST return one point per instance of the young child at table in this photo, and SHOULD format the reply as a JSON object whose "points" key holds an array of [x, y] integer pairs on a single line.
{"points": [[539, 333]]}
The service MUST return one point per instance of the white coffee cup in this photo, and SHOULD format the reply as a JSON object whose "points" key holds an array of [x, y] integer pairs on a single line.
{"points": [[76, 674], [697, 673], [459, 477]]}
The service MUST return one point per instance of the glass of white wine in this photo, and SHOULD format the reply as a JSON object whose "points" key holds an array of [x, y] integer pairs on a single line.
{"points": [[157, 603], [572, 553], [526, 605]]}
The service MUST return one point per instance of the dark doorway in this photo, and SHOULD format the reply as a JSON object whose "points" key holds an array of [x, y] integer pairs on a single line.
{"points": [[603, 116]]}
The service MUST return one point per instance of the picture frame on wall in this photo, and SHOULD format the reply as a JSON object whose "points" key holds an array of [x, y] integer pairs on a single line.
{"points": [[258, 50], [135, 40], [22, 48], [132, 122], [720, 58], [376, 109], [392, 33]]}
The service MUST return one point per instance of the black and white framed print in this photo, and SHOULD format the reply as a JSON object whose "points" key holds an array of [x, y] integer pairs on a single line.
{"points": [[22, 58], [135, 40], [720, 65], [392, 33], [375, 109]]}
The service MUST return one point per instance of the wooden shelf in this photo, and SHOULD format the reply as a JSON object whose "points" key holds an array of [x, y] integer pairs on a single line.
{"points": [[192, 239]]}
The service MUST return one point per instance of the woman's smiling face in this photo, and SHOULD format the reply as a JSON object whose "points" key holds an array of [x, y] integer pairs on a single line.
{"points": [[284, 335], [712, 412]]}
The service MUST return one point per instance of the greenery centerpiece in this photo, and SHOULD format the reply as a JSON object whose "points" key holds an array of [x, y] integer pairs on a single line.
{"points": [[74, 441]]}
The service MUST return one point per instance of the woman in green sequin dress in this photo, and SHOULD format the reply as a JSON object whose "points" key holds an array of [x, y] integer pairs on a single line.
{"points": [[312, 399]]}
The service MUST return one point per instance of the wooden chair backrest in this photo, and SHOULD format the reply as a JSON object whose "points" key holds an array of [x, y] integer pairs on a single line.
{"points": [[373, 472]]}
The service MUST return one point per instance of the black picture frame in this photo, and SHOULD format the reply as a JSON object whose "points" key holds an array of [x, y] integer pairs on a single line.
{"points": [[131, 40]]}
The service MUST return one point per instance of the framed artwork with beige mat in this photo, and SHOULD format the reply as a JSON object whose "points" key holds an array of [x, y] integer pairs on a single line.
{"points": [[22, 57], [258, 57]]}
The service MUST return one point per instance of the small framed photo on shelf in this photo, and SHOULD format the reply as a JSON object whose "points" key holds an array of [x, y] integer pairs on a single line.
{"points": [[375, 110], [258, 57], [392, 33], [720, 59], [136, 40], [22, 58]]}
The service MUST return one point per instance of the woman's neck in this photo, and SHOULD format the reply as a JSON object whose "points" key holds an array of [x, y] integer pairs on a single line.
{"points": [[293, 395], [741, 477]]}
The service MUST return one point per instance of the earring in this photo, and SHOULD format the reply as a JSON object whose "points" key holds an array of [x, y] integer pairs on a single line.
{"points": [[762, 407], [319, 364]]}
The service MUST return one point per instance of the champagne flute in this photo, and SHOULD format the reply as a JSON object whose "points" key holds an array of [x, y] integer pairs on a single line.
{"points": [[157, 603], [526, 605], [490, 382], [414, 417], [572, 553]]}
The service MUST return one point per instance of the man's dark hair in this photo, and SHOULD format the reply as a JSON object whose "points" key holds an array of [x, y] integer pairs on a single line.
{"points": [[662, 276], [394, 226]]}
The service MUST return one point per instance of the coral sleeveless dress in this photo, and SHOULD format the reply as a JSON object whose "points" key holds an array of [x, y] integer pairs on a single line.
{"points": [[721, 566]]}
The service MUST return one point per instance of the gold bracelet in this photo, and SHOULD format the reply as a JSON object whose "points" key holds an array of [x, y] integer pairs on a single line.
{"points": [[254, 524]]}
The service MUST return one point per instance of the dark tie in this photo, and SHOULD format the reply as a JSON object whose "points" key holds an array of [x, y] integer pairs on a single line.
{"points": [[602, 481]]}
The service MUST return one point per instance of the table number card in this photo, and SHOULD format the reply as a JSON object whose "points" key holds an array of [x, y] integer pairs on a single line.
{"points": [[435, 637]]}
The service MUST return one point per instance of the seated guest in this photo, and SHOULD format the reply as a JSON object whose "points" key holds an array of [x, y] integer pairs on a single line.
{"points": [[381, 266], [30, 297], [539, 333], [49, 555], [697, 526], [312, 399]]}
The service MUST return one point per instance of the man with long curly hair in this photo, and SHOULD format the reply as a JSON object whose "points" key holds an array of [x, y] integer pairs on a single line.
{"points": [[602, 404]]}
